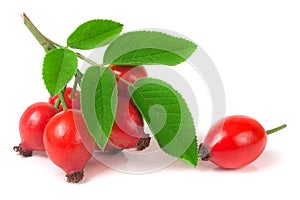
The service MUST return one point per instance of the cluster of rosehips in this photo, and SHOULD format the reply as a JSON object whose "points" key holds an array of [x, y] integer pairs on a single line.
{"points": [[232, 142], [45, 126]]}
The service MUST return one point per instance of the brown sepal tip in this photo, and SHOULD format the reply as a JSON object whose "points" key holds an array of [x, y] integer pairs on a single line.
{"points": [[143, 143]]}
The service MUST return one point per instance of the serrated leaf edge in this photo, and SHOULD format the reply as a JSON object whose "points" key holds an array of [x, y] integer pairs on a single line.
{"points": [[53, 93], [103, 42], [192, 161], [96, 117], [193, 47]]}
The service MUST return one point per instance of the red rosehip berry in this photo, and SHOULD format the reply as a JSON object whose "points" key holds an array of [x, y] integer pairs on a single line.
{"points": [[128, 129], [68, 143], [31, 127], [234, 142]]}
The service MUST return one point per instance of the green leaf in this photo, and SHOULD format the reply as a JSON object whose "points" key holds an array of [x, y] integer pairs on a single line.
{"points": [[98, 102], [168, 117], [94, 33], [59, 66], [148, 47]]}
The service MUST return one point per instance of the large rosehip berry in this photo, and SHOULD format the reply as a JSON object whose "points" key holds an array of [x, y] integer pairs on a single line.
{"points": [[128, 129], [234, 142], [31, 127], [68, 143]]}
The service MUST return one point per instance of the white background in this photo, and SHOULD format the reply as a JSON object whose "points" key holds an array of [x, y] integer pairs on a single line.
{"points": [[255, 46]]}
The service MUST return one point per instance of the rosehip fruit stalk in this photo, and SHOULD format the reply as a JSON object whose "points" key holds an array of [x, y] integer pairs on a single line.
{"points": [[235, 141], [72, 99]]}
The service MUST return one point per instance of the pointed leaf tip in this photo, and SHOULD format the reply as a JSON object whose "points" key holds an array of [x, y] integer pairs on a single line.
{"points": [[59, 67], [148, 47], [99, 100], [168, 117], [94, 33]]}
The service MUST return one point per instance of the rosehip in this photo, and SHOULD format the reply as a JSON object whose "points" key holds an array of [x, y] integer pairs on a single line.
{"points": [[128, 73], [72, 103], [68, 143], [128, 129], [31, 127], [234, 142]]}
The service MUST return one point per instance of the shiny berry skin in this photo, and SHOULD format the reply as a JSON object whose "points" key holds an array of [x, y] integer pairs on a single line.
{"points": [[234, 142], [71, 102], [130, 74], [68, 143], [128, 128], [31, 127]]}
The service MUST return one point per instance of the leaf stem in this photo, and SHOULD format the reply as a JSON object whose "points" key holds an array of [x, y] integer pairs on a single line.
{"points": [[82, 57], [276, 129], [78, 77], [48, 44], [86, 59], [62, 99], [74, 88], [124, 81]]}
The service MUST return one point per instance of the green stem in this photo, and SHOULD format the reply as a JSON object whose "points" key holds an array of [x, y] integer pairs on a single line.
{"points": [[62, 99], [276, 129], [74, 88], [86, 59], [124, 81], [82, 57], [78, 77], [57, 103], [48, 44], [44, 41]]}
